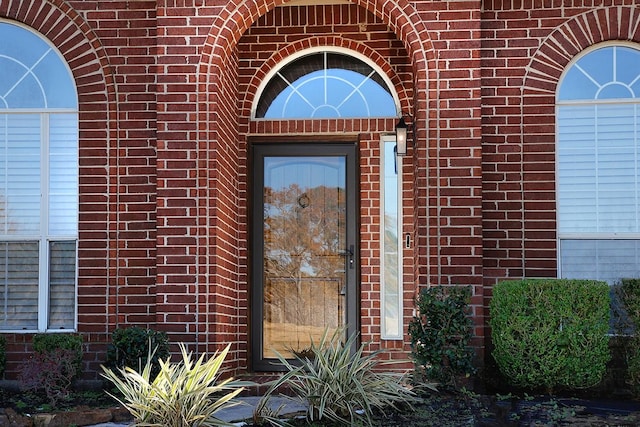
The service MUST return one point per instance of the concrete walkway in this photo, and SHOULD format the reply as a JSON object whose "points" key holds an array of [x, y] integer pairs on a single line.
{"points": [[243, 411]]}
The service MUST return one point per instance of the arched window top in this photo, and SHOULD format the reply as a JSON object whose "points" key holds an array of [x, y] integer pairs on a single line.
{"points": [[35, 76], [326, 84], [606, 73]]}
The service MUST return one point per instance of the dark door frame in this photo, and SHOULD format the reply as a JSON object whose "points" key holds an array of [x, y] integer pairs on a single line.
{"points": [[258, 149]]}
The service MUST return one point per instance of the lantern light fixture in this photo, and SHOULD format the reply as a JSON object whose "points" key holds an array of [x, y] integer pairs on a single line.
{"points": [[401, 137]]}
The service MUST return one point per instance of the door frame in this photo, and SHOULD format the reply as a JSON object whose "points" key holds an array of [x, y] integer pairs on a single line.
{"points": [[297, 146]]}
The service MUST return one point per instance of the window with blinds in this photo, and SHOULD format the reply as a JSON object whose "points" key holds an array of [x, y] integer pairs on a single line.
{"points": [[598, 165], [38, 184]]}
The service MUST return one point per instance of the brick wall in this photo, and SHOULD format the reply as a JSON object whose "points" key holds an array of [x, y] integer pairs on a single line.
{"points": [[450, 215], [182, 178], [202, 290], [165, 93], [125, 33], [523, 55], [167, 249]]}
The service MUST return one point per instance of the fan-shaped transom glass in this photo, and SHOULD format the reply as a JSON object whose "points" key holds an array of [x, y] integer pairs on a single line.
{"points": [[611, 72], [326, 85], [34, 76]]}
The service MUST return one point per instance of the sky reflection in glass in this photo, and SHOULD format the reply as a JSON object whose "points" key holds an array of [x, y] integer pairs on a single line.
{"points": [[611, 72], [33, 73], [331, 94], [326, 85]]}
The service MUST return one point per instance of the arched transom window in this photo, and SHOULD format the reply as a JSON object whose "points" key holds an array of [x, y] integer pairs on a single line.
{"points": [[598, 165], [326, 84], [38, 184]]}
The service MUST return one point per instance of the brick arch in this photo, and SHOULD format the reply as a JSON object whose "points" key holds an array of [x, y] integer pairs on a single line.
{"points": [[333, 41], [234, 21], [95, 84], [237, 17], [220, 186], [571, 38]]}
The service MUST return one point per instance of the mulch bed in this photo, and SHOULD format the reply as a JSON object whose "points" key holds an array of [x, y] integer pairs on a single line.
{"points": [[435, 409]]}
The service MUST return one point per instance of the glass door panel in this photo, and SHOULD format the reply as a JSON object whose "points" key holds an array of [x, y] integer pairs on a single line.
{"points": [[304, 241]]}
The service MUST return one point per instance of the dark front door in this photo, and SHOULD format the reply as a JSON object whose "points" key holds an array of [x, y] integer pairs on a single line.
{"points": [[304, 249]]}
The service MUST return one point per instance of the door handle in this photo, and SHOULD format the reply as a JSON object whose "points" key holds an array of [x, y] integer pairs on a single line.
{"points": [[349, 252]]}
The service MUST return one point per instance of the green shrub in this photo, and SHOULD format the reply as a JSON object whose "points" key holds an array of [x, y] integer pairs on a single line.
{"points": [[629, 292], [340, 385], [55, 364], [633, 365], [550, 333], [132, 346], [184, 394], [3, 354], [50, 343], [441, 332]]}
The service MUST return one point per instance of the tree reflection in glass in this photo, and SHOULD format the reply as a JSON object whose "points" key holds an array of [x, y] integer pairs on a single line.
{"points": [[304, 259]]}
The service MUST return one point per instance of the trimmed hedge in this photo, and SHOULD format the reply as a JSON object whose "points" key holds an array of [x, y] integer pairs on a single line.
{"points": [[551, 333], [629, 291]]}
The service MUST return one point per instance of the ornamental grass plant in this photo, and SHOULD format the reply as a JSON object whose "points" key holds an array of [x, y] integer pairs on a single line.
{"points": [[183, 394], [342, 385]]}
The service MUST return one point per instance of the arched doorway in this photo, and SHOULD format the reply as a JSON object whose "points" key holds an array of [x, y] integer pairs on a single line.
{"points": [[305, 233]]}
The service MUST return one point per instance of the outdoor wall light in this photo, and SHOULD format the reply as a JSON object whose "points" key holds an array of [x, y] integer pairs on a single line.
{"points": [[401, 137]]}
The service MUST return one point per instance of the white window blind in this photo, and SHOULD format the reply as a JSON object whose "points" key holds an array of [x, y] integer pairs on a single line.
{"points": [[19, 285], [605, 259], [598, 169], [62, 284], [20, 141], [63, 174]]}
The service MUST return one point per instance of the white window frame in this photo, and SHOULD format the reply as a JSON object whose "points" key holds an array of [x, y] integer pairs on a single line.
{"points": [[44, 237], [385, 297], [588, 236]]}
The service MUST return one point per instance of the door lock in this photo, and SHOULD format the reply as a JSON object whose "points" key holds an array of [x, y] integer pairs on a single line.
{"points": [[350, 252]]}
